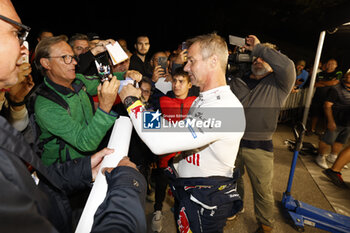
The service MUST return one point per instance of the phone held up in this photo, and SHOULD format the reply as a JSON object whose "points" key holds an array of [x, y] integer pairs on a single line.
{"points": [[103, 71], [163, 62], [184, 45]]}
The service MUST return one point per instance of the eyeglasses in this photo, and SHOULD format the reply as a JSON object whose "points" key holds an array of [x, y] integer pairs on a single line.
{"points": [[22, 32], [67, 58]]}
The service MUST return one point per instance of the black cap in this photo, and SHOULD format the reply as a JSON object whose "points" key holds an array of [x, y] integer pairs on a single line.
{"points": [[93, 36]]}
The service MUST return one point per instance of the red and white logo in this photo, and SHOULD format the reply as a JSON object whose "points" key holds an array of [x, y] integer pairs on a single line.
{"points": [[182, 222]]}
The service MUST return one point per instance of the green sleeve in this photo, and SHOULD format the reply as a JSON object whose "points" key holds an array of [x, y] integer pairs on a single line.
{"points": [[119, 75], [91, 83], [53, 118]]}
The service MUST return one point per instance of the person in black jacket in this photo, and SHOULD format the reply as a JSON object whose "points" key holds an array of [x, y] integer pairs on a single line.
{"points": [[28, 206], [139, 60], [98, 52]]}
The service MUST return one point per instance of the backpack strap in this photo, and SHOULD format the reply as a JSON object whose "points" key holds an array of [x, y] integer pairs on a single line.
{"points": [[46, 92], [50, 94]]}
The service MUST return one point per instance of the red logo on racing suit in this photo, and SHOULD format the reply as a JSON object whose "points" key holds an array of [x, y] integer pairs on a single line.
{"points": [[197, 187], [194, 159], [169, 169], [182, 222], [136, 110]]}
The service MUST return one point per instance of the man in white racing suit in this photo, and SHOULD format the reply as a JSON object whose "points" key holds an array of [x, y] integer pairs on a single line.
{"points": [[202, 177]]}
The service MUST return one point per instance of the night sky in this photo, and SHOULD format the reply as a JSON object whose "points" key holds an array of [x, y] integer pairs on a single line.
{"points": [[293, 25]]}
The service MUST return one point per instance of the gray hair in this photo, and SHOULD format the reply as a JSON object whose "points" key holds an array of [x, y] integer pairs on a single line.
{"points": [[77, 36], [211, 44]]}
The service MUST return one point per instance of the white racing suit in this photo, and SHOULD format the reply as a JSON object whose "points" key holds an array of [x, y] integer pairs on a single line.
{"points": [[209, 142]]}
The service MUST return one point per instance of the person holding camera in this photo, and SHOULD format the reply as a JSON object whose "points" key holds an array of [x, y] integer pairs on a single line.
{"points": [[160, 76], [262, 92], [76, 130]]}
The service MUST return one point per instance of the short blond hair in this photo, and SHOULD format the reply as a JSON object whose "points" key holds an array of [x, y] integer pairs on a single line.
{"points": [[211, 44]]}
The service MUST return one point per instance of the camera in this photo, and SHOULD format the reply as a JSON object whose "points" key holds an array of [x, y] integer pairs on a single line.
{"points": [[240, 60]]}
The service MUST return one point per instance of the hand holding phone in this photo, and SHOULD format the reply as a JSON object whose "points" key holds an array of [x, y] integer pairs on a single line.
{"points": [[163, 63], [25, 58], [104, 71], [184, 45], [157, 73], [251, 42]]}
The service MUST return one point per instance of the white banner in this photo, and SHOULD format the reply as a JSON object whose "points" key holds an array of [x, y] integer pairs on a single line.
{"points": [[119, 141]]}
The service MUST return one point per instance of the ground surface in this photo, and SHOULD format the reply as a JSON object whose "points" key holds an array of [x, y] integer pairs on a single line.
{"points": [[304, 189]]}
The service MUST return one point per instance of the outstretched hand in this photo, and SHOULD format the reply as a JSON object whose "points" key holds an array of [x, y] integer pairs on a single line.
{"points": [[96, 160], [125, 161], [129, 90], [107, 93]]}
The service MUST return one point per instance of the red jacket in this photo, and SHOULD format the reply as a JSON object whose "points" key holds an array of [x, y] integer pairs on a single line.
{"points": [[174, 110]]}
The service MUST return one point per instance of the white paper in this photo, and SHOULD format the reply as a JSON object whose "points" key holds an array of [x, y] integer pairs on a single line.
{"points": [[119, 141], [163, 85], [116, 53], [235, 40]]}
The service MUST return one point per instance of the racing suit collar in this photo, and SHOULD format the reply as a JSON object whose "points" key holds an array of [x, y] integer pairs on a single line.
{"points": [[214, 91]]}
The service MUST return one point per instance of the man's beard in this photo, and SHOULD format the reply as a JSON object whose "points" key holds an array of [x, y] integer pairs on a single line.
{"points": [[260, 71], [142, 53]]}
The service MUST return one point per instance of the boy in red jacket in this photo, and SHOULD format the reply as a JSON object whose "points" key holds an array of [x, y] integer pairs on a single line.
{"points": [[174, 107]]}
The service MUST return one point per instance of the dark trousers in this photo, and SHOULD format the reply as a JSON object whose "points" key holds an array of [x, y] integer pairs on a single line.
{"points": [[203, 204], [161, 181]]}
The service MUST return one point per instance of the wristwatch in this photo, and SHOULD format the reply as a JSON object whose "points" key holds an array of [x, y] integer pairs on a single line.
{"points": [[128, 101]]}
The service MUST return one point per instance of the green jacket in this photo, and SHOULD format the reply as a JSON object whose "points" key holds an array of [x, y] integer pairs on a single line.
{"points": [[79, 128]]}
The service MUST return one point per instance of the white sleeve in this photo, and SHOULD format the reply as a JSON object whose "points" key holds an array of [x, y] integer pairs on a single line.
{"points": [[168, 142]]}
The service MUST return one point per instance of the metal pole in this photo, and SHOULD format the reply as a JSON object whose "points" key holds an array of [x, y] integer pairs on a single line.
{"points": [[313, 77], [299, 135]]}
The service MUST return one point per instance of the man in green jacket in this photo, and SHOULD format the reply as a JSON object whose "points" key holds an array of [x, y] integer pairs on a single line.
{"points": [[78, 130]]}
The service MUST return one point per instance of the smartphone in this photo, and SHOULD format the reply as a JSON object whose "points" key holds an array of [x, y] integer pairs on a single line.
{"points": [[103, 71], [163, 62], [25, 58], [184, 45]]}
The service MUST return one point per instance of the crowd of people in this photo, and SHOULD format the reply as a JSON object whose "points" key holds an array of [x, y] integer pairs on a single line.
{"points": [[328, 116], [58, 113]]}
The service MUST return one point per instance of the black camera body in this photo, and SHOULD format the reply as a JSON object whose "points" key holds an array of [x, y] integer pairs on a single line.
{"points": [[239, 61]]}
